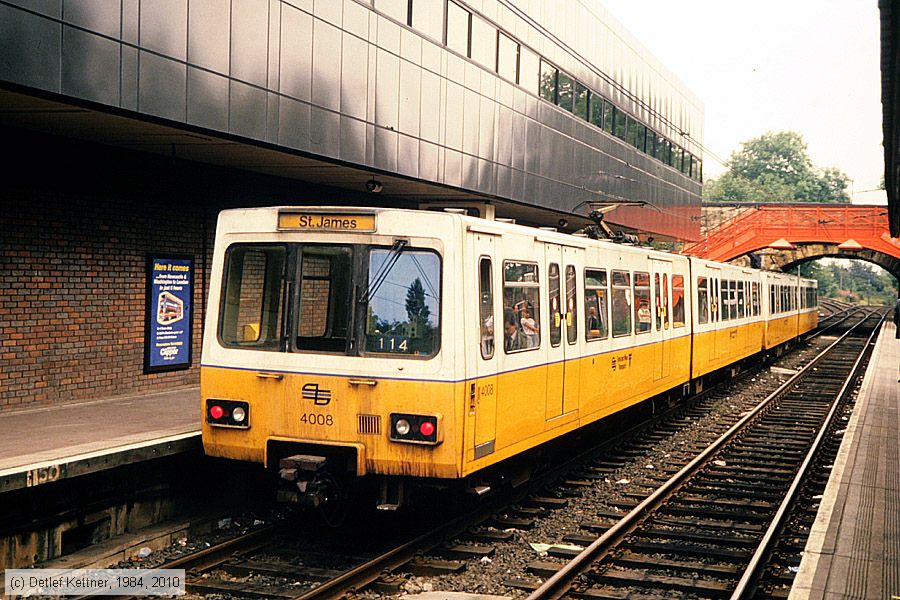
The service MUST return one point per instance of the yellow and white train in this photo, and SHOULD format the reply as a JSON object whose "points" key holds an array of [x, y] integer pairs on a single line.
{"points": [[348, 343]]}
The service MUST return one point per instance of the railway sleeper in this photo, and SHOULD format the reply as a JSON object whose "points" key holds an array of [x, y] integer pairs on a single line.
{"points": [[738, 491], [278, 569], [643, 561], [696, 512], [641, 578], [726, 501], [708, 537], [430, 567], [238, 589], [677, 550], [710, 524]]}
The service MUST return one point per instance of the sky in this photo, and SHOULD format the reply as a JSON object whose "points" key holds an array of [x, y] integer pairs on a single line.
{"points": [[789, 65]]}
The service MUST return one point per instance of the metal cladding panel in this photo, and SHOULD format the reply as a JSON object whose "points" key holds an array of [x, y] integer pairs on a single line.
{"points": [[207, 100], [343, 81], [86, 59]]}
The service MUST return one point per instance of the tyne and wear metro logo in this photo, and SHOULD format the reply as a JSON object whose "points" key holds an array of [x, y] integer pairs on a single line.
{"points": [[319, 396]]}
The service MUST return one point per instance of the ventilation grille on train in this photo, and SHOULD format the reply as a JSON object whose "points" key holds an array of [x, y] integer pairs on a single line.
{"points": [[370, 424]]}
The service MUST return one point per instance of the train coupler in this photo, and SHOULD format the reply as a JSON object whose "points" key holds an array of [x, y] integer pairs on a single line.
{"points": [[307, 481]]}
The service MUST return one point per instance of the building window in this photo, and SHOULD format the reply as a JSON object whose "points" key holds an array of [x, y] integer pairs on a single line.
{"points": [[428, 17], [529, 70], [396, 9], [609, 116], [581, 101], [508, 58], [484, 43], [620, 127], [596, 108], [549, 74], [565, 91], [458, 24]]}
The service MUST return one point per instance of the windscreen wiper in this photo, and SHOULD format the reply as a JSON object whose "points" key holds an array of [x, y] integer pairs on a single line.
{"points": [[381, 275]]}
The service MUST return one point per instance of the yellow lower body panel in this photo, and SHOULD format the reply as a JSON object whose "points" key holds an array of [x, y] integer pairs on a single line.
{"points": [[714, 350]]}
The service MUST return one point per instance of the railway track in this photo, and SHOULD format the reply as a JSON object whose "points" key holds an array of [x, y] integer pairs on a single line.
{"points": [[711, 529], [278, 561]]}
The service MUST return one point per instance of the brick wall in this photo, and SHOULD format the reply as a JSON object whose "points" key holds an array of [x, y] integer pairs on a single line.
{"points": [[72, 296], [73, 245]]}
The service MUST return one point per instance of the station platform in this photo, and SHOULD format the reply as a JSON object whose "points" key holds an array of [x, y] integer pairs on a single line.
{"points": [[854, 546], [50, 443]]}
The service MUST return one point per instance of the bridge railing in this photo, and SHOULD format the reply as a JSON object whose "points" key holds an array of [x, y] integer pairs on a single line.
{"points": [[762, 225]]}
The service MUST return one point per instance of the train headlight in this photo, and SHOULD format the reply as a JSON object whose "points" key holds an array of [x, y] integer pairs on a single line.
{"points": [[402, 427], [416, 429], [228, 413]]}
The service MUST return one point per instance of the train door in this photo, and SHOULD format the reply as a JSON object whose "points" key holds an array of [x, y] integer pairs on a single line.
{"points": [[661, 274], [483, 392], [562, 326]]}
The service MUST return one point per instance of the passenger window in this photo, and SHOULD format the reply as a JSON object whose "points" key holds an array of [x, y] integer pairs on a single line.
{"points": [[521, 307], [252, 297], [404, 302], [733, 299], [486, 312], [571, 306], [678, 300], [643, 316], [621, 303], [755, 298], [657, 296], [665, 300], [555, 316], [726, 310], [702, 301], [595, 294]]}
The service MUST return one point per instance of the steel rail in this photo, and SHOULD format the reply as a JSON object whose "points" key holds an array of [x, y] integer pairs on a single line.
{"points": [[748, 581], [559, 583]]}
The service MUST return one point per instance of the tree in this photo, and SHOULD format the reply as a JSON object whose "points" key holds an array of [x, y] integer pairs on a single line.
{"points": [[416, 308], [776, 167]]}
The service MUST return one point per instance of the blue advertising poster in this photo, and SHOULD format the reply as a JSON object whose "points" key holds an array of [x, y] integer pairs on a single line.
{"points": [[170, 285]]}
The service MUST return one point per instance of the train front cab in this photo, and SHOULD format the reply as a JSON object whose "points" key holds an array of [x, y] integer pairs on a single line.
{"points": [[334, 343], [728, 321]]}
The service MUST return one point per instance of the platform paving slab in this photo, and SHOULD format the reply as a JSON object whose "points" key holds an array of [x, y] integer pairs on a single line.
{"points": [[56, 442], [854, 546]]}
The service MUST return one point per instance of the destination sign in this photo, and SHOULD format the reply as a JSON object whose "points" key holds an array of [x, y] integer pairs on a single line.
{"points": [[326, 222]]}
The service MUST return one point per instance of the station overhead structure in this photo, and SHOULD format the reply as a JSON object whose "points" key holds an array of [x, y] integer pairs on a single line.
{"points": [[145, 119], [524, 104]]}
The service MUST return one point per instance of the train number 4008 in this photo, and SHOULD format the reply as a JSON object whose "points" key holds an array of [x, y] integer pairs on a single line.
{"points": [[317, 419]]}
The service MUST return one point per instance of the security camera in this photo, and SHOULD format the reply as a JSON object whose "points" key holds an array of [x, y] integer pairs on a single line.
{"points": [[563, 223], [374, 186]]}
